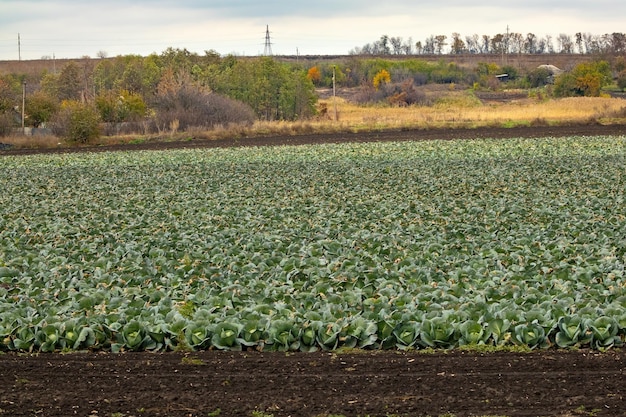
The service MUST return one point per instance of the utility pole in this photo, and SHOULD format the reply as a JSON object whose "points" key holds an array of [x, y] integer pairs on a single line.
{"points": [[23, 105], [19, 48], [268, 44]]}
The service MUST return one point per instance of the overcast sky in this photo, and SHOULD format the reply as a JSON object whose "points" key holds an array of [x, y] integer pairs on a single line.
{"points": [[75, 28]]}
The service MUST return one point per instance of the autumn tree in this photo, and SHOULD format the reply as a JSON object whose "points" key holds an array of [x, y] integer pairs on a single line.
{"points": [[382, 77], [440, 43], [586, 79], [458, 46], [314, 75]]}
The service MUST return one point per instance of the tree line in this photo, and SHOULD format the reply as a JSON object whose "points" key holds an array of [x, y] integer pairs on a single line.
{"points": [[173, 90], [501, 43]]}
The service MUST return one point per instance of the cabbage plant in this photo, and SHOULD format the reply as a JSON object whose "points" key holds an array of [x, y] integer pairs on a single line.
{"points": [[572, 331], [604, 332]]}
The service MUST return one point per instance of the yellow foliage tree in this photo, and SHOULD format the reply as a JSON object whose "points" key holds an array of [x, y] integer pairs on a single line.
{"points": [[314, 75], [381, 77]]}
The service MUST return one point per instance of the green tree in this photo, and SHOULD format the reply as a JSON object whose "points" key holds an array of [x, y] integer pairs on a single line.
{"points": [[9, 93], [40, 108], [276, 91], [69, 82], [123, 106]]}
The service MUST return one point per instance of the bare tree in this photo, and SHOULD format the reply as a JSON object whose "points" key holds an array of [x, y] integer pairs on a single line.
{"points": [[566, 45], [516, 43], [549, 44], [396, 44], [579, 42], [618, 43], [530, 45], [407, 47], [419, 49], [497, 44], [486, 44], [472, 44], [429, 45], [440, 43]]}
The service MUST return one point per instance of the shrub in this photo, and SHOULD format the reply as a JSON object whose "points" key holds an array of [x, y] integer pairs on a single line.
{"points": [[77, 122], [396, 94], [538, 77], [189, 107]]}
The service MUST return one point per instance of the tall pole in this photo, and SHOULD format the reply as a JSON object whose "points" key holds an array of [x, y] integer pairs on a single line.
{"points": [[19, 48], [334, 94], [23, 105], [268, 43]]}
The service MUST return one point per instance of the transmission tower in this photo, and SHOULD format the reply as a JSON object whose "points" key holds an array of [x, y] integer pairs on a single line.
{"points": [[268, 44]]}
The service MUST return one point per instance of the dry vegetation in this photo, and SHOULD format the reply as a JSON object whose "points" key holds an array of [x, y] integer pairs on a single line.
{"points": [[465, 111]]}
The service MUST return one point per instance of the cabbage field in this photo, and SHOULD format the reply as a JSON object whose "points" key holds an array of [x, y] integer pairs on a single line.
{"points": [[403, 245]]}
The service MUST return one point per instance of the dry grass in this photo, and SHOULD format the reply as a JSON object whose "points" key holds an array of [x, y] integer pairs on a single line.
{"points": [[468, 113], [39, 141]]}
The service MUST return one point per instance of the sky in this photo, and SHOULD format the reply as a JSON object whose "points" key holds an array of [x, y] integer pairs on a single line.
{"points": [[76, 28]]}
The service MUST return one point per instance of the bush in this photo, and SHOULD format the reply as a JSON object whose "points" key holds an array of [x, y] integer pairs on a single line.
{"points": [[538, 77], [188, 107], [77, 122], [396, 94]]}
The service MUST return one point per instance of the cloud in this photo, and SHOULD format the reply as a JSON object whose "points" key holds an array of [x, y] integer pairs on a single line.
{"points": [[71, 28]]}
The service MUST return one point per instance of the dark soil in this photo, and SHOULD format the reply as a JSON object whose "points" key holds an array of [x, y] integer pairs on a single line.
{"points": [[546, 383]]}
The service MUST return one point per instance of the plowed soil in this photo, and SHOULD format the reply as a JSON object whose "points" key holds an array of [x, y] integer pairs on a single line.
{"points": [[96, 384]]}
